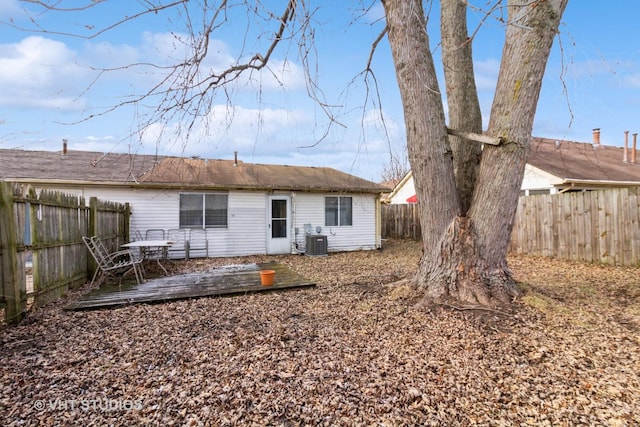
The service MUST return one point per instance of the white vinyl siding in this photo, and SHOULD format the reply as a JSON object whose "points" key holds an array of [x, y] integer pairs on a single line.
{"points": [[403, 193], [247, 218], [310, 209]]}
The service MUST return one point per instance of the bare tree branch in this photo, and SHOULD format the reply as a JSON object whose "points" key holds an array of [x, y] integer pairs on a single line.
{"points": [[53, 6]]}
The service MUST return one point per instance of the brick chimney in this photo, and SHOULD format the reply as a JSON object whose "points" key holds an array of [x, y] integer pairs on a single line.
{"points": [[596, 138], [633, 152]]}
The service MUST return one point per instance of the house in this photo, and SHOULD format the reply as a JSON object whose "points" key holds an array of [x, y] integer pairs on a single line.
{"points": [[555, 166], [246, 209], [389, 186]]}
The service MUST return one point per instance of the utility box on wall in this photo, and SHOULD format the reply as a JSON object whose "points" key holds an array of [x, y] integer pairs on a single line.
{"points": [[315, 244]]}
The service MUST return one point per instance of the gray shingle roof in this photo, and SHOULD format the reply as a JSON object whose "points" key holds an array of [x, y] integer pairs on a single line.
{"points": [[164, 171], [576, 161]]}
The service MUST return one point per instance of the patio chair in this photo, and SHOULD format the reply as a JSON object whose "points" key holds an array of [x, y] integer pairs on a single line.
{"points": [[154, 253], [112, 264], [155, 234], [198, 243], [180, 246]]}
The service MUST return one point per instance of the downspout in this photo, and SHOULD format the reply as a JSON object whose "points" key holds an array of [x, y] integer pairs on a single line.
{"points": [[378, 208], [294, 243]]}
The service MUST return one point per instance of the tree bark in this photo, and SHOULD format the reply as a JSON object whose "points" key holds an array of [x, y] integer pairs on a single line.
{"points": [[467, 215], [462, 96], [430, 155]]}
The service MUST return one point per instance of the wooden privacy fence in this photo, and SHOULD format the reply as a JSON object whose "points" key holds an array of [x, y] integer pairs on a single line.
{"points": [[42, 254], [594, 226], [401, 222]]}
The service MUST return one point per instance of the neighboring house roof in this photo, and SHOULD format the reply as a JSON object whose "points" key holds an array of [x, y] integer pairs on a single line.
{"points": [[93, 168], [389, 185], [584, 163], [572, 165], [405, 179]]}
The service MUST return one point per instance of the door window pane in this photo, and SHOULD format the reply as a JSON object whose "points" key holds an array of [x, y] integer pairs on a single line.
{"points": [[278, 228], [278, 218]]}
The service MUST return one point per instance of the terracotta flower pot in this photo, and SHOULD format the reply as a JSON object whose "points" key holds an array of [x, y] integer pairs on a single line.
{"points": [[267, 277]]}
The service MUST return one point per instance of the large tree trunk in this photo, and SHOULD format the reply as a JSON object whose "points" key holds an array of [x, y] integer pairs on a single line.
{"points": [[427, 142], [462, 96], [465, 251]]}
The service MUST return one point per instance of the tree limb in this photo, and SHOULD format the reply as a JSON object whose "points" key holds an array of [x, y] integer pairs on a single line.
{"points": [[485, 139]]}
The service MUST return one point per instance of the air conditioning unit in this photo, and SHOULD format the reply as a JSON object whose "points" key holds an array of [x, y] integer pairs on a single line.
{"points": [[315, 244]]}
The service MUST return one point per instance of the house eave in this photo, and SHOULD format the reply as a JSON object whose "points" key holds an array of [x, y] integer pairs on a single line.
{"points": [[174, 186], [597, 183], [399, 185]]}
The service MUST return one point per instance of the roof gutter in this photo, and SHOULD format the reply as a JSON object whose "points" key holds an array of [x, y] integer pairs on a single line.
{"points": [[161, 185], [599, 182]]}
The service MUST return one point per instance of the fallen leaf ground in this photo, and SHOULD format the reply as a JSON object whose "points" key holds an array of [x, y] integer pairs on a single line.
{"points": [[352, 351]]}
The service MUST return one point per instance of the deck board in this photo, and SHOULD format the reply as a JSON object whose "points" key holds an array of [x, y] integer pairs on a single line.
{"points": [[228, 280]]}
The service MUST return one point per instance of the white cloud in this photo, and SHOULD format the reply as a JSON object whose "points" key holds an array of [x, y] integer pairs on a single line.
{"points": [[283, 75], [238, 127], [109, 55], [39, 72], [158, 50], [173, 48], [164, 48], [381, 122]]}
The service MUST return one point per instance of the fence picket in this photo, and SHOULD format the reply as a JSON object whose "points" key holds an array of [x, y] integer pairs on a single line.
{"points": [[47, 228], [593, 226]]}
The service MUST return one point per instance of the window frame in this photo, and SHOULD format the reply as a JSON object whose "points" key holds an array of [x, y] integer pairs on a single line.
{"points": [[205, 223], [337, 211]]}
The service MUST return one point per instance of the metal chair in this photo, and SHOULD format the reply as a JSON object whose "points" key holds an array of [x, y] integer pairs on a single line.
{"points": [[154, 253], [112, 264], [198, 243], [155, 234], [180, 246]]}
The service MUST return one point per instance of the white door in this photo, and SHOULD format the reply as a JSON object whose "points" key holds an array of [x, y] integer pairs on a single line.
{"points": [[278, 239]]}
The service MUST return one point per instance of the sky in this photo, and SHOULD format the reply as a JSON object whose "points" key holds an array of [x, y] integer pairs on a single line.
{"points": [[62, 73]]}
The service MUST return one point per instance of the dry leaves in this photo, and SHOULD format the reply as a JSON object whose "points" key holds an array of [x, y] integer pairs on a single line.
{"points": [[349, 352]]}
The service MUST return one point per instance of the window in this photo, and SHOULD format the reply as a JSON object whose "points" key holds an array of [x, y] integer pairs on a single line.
{"points": [[337, 211], [198, 210]]}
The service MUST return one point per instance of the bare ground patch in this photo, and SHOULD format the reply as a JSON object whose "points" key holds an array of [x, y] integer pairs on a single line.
{"points": [[349, 352]]}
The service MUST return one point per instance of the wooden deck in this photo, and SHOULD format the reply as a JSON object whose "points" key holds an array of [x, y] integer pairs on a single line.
{"points": [[228, 280]]}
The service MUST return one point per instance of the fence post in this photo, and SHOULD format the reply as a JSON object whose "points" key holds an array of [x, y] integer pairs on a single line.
{"points": [[127, 222], [11, 283], [92, 231], [93, 215]]}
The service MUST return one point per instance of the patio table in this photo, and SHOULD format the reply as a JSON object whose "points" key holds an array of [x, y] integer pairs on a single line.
{"points": [[148, 247]]}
